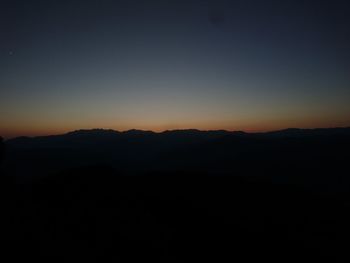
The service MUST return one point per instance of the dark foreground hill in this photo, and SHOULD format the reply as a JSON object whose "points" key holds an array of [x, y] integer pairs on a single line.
{"points": [[177, 196], [98, 214]]}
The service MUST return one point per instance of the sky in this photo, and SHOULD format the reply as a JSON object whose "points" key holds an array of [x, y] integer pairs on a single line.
{"points": [[247, 65]]}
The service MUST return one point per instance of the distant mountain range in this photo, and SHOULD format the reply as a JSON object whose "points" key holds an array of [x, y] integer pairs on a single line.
{"points": [[213, 195], [300, 155], [89, 134]]}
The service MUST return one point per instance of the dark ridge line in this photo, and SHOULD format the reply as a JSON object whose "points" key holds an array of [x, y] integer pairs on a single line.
{"points": [[197, 131]]}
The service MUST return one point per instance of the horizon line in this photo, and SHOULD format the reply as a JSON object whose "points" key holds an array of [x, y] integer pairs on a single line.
{"points": [[173, 130]]}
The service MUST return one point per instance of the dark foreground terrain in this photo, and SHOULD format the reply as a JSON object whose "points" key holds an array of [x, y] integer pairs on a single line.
{"points": [[182, 196]]}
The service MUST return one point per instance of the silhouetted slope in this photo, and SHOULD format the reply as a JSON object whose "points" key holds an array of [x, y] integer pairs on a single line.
{"points": [[101, 135], [178, 196], [295, 133], [315, 157], [2, 149]]}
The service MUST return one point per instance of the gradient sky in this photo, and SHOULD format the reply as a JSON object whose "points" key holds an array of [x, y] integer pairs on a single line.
{"points": [[156, 65]]}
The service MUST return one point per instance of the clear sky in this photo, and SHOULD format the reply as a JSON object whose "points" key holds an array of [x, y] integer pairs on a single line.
{"points": [[156, 65]]}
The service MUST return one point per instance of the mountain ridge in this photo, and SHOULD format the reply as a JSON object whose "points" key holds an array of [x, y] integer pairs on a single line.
{"points": [[110, 132], [305, 156]]}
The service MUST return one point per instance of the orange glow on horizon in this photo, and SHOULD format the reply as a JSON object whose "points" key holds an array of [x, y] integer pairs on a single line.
{"points": [[9, 133]]}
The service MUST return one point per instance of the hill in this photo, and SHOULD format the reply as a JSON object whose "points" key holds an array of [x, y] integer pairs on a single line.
{"points": [[313, 157], [177, 196]]}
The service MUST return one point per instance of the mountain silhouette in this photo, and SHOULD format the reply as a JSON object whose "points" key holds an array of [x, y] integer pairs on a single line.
{"points": [[177, 196], [315, 151], [2, 149]]}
